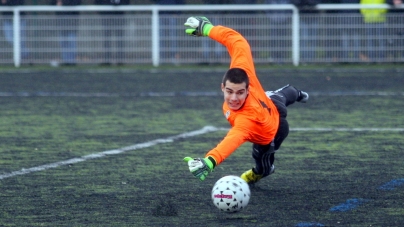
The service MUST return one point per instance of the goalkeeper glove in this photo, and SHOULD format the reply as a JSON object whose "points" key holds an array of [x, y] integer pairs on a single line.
{"points": [[199, 167], [198, 26]]}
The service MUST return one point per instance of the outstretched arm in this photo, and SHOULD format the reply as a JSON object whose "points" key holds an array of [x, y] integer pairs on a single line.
{"points": [[236, 44], [238, 48]]}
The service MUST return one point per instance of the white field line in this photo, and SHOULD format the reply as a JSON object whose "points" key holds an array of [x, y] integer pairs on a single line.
{"points": [[24, 171], [170, 139], [349, 129], [181, 93]]}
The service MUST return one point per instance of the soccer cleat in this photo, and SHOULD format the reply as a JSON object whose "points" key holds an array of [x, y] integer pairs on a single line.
{"points": [[303, 97], [250, 177]]}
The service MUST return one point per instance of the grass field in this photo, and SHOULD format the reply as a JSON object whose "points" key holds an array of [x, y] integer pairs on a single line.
{"points": [[104, 147]]}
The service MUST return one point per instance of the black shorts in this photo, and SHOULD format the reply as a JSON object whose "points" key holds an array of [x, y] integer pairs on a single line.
{"points": [[283, 129]]}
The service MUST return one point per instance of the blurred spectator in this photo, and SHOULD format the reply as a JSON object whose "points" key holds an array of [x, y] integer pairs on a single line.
{"points": [[350, 38], [397, 33], [245, 2], [240, 2], [218, 49], [113, 23], [168, 32], [68, 22], [343, 41], [375, 21], [333, 43], [308, 28], [280, 31], [243, 24], [8, 27]]}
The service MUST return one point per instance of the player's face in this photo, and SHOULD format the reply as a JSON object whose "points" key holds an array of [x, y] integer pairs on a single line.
{"points": [[234, 94]]}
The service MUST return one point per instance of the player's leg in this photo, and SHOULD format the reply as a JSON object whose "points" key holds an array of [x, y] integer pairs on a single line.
{"points": [[264, 155], [288, 95], [283, 129]]}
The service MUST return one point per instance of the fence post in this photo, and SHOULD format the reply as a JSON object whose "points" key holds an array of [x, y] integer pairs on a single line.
{"points": [[17, 37], [155, 26], [295, 37]]}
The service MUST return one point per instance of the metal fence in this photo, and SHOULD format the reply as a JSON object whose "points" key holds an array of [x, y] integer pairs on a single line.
{"points": [[155, 35]]}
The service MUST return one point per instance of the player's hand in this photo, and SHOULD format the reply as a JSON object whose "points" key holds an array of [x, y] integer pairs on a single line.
{"points": [[198, 26], [199, 167]]}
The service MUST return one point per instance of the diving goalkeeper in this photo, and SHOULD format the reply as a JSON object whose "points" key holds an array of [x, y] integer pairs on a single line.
{"points": [[254, 115]]}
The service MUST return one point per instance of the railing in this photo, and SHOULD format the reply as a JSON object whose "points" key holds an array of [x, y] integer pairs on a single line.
{"points": [[155, 35]]}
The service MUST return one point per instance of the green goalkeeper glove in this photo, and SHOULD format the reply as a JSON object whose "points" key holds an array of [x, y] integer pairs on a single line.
{"points": [[199, 167], [198, 26]]}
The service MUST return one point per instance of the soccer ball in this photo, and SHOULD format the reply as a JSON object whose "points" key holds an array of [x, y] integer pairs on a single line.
{"points": [[231, 194]]}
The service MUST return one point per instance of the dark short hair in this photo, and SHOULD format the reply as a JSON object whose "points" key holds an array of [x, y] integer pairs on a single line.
{"points": [[236, 76]]}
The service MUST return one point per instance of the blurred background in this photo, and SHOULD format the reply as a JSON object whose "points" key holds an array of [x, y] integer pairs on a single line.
{"points": [[121, 32]]}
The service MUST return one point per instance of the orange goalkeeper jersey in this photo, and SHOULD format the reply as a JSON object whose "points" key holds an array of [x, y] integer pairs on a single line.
{"points": [[258, 119]]}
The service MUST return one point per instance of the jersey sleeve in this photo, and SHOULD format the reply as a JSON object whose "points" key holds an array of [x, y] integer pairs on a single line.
{"points": [[234, 139], [239, 51]]}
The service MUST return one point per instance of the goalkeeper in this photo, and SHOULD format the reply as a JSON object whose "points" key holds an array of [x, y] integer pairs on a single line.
{"points": [[254, 115]]}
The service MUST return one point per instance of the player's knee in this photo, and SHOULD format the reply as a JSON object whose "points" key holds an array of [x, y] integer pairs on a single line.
{"points": [[291, 94], [259, 150]]}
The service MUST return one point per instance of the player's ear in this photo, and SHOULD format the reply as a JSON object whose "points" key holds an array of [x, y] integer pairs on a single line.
{"points": [[222, 87]]}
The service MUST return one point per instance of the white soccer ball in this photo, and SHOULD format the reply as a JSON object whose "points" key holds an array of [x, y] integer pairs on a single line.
{"points": [[231, 194]]}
